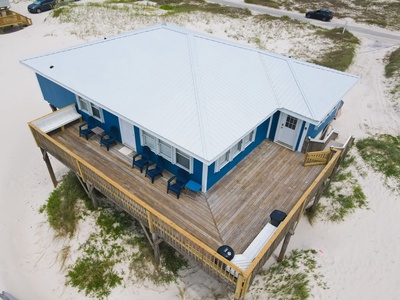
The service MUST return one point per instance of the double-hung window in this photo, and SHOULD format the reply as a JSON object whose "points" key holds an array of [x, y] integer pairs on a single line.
{"points": [[183, 160], [172, 154], [237, 148], [248, 139], [149, 141], [91, 109], [234, 151], [165, 150]]}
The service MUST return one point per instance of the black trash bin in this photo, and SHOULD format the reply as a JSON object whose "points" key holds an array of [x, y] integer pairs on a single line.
{"points": [[226, 252], [277, 217]]}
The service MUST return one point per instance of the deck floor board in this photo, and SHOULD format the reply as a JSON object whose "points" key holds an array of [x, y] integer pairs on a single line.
{"points": [[232, 212]]}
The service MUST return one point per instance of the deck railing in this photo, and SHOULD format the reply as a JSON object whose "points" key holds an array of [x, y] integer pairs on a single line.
{"points": [[182, 241], [317, 158], [13, 18]]}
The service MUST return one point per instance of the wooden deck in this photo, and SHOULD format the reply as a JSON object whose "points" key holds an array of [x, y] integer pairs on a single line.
{"points": [[233, 212]]}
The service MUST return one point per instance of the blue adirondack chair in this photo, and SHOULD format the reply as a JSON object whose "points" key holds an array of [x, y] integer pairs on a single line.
{"points": [[109, 138], [140, 160], [155, 169], [177, 183], [86, 128]]}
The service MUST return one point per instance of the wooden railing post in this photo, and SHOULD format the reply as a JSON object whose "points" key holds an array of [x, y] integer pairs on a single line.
{"points": [[239, 293], [284, 245], [49, 167]]}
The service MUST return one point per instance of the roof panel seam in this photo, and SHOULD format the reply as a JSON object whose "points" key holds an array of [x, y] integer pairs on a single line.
{"points": [[201, 110], [304, 96], [267, 74]]}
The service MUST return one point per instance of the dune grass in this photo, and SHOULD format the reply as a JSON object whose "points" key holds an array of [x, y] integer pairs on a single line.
{"points": [[116, 250], [342, 54], [291, 279], [382, 153], [62, 209], [392, 72], [343, 196], [382, 13]]}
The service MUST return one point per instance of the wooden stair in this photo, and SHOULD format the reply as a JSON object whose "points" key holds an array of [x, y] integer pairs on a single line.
{"points": [[10, 18]]}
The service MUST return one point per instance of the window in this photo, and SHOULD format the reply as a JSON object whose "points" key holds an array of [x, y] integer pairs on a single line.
{"points": [[182, 160], [97, 112], [83, 105], [165, 150], [237, 148], [149, 140], [224, 159], [234, 151], [175, 156], [248, 139], [90, 108], [291, 122]]}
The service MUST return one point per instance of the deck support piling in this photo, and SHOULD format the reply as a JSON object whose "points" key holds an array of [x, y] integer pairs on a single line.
{"points": [[92, 196], [156, 242], [89, 188], [49, 167], [318, 196], [285, 245]]}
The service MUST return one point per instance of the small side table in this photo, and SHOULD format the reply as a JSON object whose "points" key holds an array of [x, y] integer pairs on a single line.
{"points": [[192, 188], [98, 131]]}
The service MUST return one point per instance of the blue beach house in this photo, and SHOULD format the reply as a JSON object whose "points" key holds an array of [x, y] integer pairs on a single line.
{"points": [[200, 102]]}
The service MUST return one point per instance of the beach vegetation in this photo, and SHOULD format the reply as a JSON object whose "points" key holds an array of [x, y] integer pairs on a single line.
{"points": [[292, 278], [392, 72], [343, 195], [63, 209], [336, 49], [116, 252], [392, 67], [341, 55], [382, 13], [382, 153], [116, 240]]}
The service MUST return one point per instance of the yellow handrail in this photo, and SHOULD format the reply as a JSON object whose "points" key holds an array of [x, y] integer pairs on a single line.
{"points": [[317, 158], [171, 232]]}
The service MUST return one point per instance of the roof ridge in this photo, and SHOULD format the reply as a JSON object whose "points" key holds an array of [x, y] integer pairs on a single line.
{"points": [[296, 79], [201, 111], [267, 73]]}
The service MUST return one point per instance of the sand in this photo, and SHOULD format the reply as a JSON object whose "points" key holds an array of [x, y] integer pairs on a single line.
{"points": [[360, 257]]}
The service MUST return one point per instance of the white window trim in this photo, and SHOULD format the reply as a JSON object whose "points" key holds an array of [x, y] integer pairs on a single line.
{"points": [[89, 111], [172, 159], [233, 152], [79, 100], [190, 170], [162, 154], [142, 138], [101, 118]]}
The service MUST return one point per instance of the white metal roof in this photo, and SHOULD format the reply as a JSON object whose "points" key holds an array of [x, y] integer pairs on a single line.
{"points": [[199, 93]]}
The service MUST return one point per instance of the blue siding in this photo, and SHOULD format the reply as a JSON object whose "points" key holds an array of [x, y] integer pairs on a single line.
{"points": [[313, 131], [213, 177], [197, 165], [55, 94], [109, 120], [274, 125], [300, 135]]}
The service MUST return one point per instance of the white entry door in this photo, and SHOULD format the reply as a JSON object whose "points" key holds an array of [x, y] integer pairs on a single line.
{"points": [[127, 134], [287, 131]]}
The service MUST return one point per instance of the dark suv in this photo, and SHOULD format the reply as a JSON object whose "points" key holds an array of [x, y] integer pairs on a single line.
{"points": [[41, 5], [320, 14]]}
